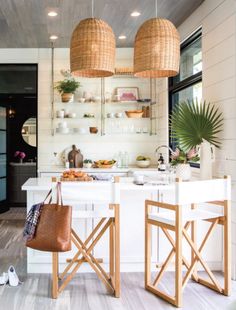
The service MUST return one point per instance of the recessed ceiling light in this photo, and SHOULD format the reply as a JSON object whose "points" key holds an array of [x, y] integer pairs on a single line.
{"points": [[52, 13], [53, 37], [122, 37], [135, 14]]}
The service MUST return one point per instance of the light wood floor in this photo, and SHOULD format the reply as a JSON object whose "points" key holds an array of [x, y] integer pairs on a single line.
{"points": [[86, 292]]}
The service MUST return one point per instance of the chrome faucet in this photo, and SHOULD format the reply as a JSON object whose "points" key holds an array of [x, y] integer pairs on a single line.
{"points": [[164, 146]]}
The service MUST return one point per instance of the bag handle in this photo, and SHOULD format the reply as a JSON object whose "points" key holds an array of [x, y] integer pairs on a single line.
{"points": [[48, 194], [59, 195]]}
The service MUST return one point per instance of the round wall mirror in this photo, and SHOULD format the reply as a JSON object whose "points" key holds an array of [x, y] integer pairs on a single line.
{"points": [[28, 131]]}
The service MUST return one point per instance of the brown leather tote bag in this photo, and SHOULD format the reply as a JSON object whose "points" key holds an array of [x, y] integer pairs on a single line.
{"points": [[53, 232]]}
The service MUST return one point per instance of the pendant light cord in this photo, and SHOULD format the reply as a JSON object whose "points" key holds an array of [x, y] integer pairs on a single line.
{"points": [[92, 8], [156, 7]]}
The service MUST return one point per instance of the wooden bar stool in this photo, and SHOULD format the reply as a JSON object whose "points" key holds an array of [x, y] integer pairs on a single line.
{"points": [[178, 217], [104, 197]]}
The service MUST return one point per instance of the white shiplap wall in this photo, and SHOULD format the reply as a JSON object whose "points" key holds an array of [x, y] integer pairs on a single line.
{"points": [[92, 146], [218, 21]]}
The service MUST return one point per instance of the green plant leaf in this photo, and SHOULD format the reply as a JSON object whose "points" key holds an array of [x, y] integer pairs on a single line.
{"points": [[192, 122]]}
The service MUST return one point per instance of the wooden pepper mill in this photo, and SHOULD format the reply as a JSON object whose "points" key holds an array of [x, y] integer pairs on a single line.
{"points": [[75, 158]]}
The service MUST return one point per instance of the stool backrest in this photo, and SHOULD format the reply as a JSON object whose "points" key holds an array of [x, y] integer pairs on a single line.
{"points": [[203, 191], [90, 192]]}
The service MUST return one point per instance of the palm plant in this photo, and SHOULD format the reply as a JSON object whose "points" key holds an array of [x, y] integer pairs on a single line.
{"points": [[192, 123]]}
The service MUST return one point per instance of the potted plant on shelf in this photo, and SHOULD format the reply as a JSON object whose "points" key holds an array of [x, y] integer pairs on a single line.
{"points": [[20, 156], [181, 160], [197, 125], [67, 88]]}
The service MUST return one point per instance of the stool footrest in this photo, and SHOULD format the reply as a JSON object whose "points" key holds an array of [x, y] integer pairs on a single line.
{"points": [[68, 260]]}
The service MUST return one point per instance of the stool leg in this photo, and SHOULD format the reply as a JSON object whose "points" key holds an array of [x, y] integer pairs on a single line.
{"points": [[227, 248], [54, 275], [147, 248], [111, 230], [117, 250], [178, 256], [194, 238]]}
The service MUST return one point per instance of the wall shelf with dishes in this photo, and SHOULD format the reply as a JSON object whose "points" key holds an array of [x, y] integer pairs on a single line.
{"points": [[120, 111], [126, 106], [76, 118]]}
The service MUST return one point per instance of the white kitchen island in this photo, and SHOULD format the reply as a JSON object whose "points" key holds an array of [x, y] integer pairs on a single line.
{"points": [[131, 229]]}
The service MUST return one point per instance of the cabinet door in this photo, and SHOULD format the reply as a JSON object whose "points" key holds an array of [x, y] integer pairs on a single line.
{"points": [[131, 232]]}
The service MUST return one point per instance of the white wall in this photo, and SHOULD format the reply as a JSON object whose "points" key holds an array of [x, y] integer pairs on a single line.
{"points": [[218, 21], [92, 146]]}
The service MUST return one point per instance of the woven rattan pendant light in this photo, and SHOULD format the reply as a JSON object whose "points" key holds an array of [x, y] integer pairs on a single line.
{"points": [[92, 49], [156, 49]]}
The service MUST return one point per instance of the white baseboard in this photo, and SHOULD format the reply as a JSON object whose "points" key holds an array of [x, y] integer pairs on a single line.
{"points": [[124, 267]]}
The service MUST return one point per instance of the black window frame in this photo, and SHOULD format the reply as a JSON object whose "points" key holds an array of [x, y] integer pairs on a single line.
{"points": [[174, 87]]}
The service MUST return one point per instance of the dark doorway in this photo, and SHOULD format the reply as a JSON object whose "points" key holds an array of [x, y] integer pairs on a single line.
{"points": [[18, 104]]}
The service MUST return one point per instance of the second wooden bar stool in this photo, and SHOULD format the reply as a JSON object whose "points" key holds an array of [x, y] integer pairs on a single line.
{"points": [[183, 213]]}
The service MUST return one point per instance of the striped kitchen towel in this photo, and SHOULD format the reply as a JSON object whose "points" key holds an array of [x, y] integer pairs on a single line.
{"points": [[32, 221]]}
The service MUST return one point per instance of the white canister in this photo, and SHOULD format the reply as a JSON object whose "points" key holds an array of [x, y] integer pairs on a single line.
{"points": [[61, 114], [139, 179]]}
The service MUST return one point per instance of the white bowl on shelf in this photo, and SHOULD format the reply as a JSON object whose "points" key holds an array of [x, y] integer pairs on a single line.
{"points": [[143, 163], [81, 100], [63, 130], [82, 130], [72, 115], [119, 115]]}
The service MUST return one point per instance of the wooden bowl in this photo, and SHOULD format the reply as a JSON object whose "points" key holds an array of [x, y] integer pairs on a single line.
{"points": [[98, 164], [93, 129], [105, 166], [134, 114]]}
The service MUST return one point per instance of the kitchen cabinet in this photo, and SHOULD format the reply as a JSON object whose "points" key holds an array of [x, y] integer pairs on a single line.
{"points": [[131, 229], [18, 175]]}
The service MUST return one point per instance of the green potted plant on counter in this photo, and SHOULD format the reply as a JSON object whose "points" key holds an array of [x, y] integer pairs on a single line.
{"points": [[87, 163], [197, 125], [67, 88]]}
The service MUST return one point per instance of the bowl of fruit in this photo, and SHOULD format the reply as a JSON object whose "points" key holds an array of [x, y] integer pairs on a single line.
{"points": [[104, 163], [143, 161]]}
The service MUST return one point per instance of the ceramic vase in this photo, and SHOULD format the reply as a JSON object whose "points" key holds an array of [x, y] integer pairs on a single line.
{"points": [[183, 171], [206, 160]]}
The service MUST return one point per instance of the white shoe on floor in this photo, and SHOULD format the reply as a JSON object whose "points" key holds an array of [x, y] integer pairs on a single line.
{"points": [[4, 278], [13, 277]]}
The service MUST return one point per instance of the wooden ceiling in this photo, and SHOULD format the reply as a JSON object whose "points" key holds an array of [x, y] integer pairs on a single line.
{"points": [[25, 23]]}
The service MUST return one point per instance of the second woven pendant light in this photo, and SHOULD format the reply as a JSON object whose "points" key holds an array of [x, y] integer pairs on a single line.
{"points": [[156, 49], [92, 49]]}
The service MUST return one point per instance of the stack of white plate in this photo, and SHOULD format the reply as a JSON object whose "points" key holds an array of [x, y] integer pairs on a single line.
{"points": [[62, 128]]}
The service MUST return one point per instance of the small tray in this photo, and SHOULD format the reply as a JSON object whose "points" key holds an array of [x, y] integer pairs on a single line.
{"points": [[76, 179]]}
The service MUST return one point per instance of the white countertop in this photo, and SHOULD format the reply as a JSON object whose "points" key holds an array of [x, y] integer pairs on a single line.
{"points": [[49, 169], [24, 164], [126, 184]]}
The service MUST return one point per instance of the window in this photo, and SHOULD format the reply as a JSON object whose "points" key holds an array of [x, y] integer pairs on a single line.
{"points": [[187, 85]]}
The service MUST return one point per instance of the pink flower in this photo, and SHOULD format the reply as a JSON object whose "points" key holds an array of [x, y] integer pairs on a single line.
{"points": [[175, 154], [192, 153], [19, 154], [22, 155]]}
